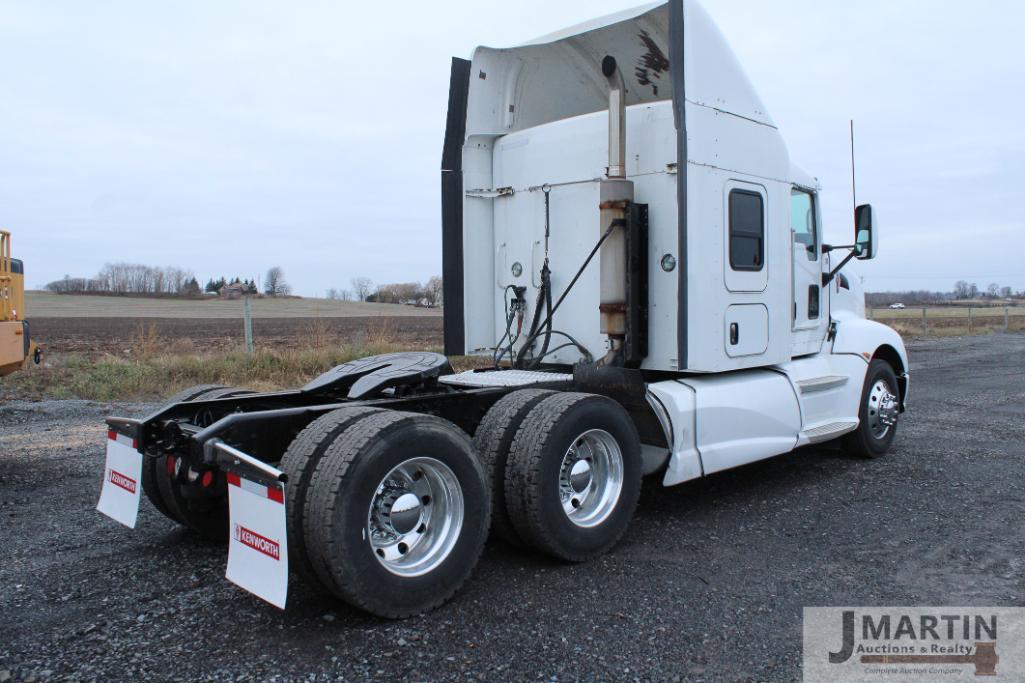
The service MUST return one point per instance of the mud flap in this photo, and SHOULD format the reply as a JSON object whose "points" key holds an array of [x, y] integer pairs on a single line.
{"points": [[122, 480], [257, 547]]}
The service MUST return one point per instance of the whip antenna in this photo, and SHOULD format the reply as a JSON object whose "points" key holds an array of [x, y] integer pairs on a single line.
{"points": [[854, 187]]}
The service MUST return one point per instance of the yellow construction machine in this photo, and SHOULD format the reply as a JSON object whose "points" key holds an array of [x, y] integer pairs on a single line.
{"points": [[15, 344]]}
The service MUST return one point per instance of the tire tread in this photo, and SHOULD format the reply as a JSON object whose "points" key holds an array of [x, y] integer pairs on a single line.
{"points": [[300, 462], [493, 442], [523, 483], [324, 541]]}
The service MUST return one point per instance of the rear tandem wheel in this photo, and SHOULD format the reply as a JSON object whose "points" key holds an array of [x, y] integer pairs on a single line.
{"points": [[207, 516], [397, 513], [493, 440], [150, 477], [299, 463], [573, 476]]}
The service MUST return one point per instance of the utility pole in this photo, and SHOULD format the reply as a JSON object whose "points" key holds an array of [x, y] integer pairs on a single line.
{"points": [[247, 314]]}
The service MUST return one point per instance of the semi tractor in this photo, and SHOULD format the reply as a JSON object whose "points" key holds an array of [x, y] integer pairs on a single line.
{"points": [[16, 345], [629, 245]]}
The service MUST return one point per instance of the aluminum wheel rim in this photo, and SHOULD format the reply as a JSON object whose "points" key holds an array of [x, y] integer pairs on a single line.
{"points": [[591, 478], [415, 517], [882, 409]]}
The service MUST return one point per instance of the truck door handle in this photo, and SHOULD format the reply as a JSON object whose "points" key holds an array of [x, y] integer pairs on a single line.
{"points": [[734, 333]]}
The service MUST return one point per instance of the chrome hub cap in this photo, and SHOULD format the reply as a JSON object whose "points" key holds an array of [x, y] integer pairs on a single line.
{"points": [[591, 478], [882, 409], [415, 517]]}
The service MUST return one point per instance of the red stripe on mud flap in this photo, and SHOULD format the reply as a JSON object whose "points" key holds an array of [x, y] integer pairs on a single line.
{"points": [[276, 494], [121, 438], [234, 480]]}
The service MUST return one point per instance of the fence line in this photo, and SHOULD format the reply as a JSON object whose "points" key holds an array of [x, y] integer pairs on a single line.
{"points": [[942, 320]]}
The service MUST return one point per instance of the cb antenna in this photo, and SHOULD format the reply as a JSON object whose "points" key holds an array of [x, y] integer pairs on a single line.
{"points": [[854, 186]]}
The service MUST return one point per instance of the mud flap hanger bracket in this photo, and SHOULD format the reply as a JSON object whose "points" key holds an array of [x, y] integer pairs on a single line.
{"points": [[233, 460], [125, 426]]}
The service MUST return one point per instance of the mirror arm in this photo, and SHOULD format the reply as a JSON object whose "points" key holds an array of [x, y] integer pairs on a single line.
{"points": [[826, 248], [828, 277]]}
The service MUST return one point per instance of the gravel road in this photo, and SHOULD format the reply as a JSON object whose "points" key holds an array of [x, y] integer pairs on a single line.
{"points": [[708, 584]]}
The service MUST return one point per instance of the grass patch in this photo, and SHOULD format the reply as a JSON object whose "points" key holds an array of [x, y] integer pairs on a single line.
{"points": [[156, 376]]}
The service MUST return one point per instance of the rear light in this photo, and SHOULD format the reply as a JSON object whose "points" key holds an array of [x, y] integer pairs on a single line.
{"points": [[208, 479], [170, 466]]}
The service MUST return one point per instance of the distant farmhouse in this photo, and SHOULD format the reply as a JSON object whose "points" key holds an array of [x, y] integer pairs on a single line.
{"points": [[235, 290]]}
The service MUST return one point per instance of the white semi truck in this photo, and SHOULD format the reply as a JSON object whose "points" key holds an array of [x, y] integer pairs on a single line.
{"points": [[627, 240]]}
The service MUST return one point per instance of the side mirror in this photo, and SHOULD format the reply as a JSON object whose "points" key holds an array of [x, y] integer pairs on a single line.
{"points": [[865, 241]]}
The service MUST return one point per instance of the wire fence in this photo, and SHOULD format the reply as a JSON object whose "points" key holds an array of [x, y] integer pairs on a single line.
{"points": [[948, 321]]}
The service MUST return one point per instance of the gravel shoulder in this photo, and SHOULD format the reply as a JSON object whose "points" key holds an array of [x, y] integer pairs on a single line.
{"points": [[708, 583]]}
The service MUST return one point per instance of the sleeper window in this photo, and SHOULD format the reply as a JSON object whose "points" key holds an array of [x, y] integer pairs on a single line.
{"points": [[747, 230]]}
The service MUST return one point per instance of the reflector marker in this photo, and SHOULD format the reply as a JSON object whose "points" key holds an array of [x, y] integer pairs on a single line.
{"points": [[121, 439], [272, 492]]}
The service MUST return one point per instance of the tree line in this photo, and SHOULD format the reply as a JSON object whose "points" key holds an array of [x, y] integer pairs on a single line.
{"points": [[963, 291], [131, 278], [142, 280], [362, 289], [215, 286]]}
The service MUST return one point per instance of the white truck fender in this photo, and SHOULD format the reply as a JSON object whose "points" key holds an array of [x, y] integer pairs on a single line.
{"points": [[870, 339]]}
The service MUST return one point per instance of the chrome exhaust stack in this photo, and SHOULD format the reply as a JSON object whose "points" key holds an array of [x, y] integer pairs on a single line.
{"points": [[617, 118], [615, 195]]}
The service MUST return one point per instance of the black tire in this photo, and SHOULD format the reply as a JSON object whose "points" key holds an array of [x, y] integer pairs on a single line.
{"points": [[207, 516], [493, 439], [862, 442], [344, 488], [299, 463], [154, 468], [534, 468]]}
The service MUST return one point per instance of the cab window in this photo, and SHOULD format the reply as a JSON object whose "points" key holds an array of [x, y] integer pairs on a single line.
{"points": [[802, 221]]}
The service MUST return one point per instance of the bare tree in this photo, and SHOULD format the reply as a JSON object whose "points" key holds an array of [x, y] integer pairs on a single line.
{"points": [[129, 278], [399, 293], [1006, 292], [993, 290], [432, 291], [362, 287], [274, 283], [339, 294]]}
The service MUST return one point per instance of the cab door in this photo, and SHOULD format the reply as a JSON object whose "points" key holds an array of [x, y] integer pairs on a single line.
{"points": [[810, 309]]}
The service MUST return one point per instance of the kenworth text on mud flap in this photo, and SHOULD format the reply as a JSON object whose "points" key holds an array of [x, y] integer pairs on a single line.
{"points": [[16, 345], [624, 235]]}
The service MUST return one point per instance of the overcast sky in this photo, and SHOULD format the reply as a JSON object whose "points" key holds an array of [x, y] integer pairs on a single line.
{"points": [[228, 137]]}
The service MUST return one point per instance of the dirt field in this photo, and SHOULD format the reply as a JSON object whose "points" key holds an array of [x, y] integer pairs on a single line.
{"points": [[121, 335], [948, 321], [119, 325], [45, 305], [707, 585]]}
